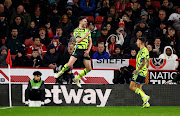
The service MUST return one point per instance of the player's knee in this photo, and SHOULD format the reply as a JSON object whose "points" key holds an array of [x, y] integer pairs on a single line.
{"points": [[130, 87]]}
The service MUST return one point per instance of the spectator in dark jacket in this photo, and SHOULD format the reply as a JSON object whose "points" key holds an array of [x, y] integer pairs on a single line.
{"points": [[13, 43], [58, 45], [21, 60], [20, 12], [54, 16], [167, 6], [51, 58], [161, 17], [136, 10], [171, 39], [151, 22], [160, 31], [38, 17], [62, 37], [22, 30], [35, 60], [143, 26], [66, 25], [101, 53], [151, 53], [103, 7], [117, 53], [73, 14], [3, 27], [127, 38], [49, 29], [3, 56], [1, 9], [8, 9], [158, 47], [103, 37], [133, 41], [94, 32], [43, 36], [88, 7], [32, 31], [132, 55], [110, 19]]}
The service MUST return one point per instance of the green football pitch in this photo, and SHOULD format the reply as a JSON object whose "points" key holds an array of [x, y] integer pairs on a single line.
{"points": [[92, 111]]}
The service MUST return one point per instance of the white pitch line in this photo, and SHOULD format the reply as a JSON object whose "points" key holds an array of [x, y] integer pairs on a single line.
{"points": [[6, 107]]}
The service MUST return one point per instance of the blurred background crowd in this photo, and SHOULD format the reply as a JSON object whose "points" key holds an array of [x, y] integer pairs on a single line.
{"points": [[39, 33]]}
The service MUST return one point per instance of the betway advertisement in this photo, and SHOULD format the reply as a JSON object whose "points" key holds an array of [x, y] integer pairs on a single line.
{"points": [[94, 95], [59, 95], [23, 75]]}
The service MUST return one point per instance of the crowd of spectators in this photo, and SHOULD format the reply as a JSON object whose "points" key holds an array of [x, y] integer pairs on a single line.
{"points": [[39, 33]]}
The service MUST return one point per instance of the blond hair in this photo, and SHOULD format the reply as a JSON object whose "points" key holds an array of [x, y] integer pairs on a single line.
{"points": [[6, 4]]}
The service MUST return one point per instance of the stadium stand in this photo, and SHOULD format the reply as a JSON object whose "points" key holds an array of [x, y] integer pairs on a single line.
{"points": [[63, 16]]}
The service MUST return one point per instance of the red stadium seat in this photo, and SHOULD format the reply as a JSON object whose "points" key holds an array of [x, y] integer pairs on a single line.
{"points": [[3, 41], [13, 56], [156, 4], [99, 19], [28, 56], [178, 33], [28, 42], [98, 26], [89, 18]]}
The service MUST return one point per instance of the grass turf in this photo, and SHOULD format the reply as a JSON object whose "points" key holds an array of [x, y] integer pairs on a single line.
{"points": [[92, 111]]}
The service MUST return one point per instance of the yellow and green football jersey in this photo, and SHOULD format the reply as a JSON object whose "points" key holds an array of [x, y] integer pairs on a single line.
{"points": [[81, 33], [142, 54]]}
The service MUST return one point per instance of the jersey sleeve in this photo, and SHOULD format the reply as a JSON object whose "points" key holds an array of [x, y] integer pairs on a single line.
{"points": [[75, 33], [145, 55]]}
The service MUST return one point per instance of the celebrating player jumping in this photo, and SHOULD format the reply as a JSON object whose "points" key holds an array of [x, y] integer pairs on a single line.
{"points": [[81, 50]]}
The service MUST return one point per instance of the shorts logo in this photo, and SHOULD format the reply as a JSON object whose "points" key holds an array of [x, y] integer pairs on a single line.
{"points": [[157, 63]]}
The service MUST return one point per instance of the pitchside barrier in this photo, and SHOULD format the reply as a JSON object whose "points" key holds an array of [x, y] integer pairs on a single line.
{"points": [[95, 95], [160, 71]]}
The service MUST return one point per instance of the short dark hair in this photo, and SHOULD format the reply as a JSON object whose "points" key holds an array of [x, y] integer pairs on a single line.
{"points": [[37, 73], [18, 16], [157, 38], [34, 50], [129, 9], [171, 27], [133, 49], [135, 2], [143, 39], [42, 28], [81, 18], [35, 38], [14, 29], [58, 28]]}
